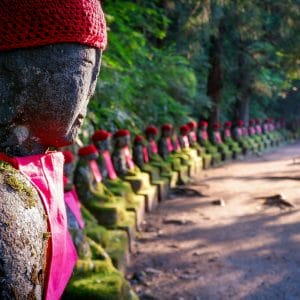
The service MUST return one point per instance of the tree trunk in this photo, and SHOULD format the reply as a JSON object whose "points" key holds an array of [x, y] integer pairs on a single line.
{"points": [[244, 89], [215, 76]]}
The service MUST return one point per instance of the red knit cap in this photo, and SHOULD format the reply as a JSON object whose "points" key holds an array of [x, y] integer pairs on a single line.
{"points": [[34, 23], [151, 130], [166, 127], [138, 139], [252, 122], [192, 125], [87, 150], [240, 122], [121, 133], [228, 124], [216, 126], [184, 129], [100, 135], [68, 155], [203, 124]]}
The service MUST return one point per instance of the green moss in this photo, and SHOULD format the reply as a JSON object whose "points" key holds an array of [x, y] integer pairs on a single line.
{"points": [[97, 251], [117, 246], [46, 235], [97, 233], [98, 279], [11, 178], [110, 286]]}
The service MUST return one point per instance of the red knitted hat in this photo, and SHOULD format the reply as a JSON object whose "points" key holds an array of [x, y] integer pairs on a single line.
{"points": [[87, 150], [100, 135], [228, 124], [216, 126], [240, 122], [252, 122], [34, 23], [151, 130], [192, 125], [68, 155], [184, 129], [166, 127], [203, 124], [138, 139], [121, 133]]}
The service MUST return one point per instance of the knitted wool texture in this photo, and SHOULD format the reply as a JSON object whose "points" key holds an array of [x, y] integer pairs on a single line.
{"points": [[87, 150], [100, 135], [151, 130], [68, 155], [34, 23]]}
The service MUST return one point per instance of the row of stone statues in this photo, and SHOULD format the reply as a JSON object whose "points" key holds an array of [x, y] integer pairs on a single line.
{"points": [[115, 186]]}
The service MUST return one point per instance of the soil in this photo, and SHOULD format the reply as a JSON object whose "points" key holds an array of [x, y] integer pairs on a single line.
{"points": [[226, 241]]}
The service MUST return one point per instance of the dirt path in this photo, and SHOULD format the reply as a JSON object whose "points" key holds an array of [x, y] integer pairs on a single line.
{"points": [[192, 249]]}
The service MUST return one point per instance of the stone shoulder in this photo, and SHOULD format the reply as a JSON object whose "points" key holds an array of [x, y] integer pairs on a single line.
{"points": [[24, 235]]}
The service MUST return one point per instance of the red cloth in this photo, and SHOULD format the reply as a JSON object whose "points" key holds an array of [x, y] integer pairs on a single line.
{"points": [[154, 147], [145, 155], [109, 165], [128, 158], [95, 170], [169, 145], [45, 172], [186, 141], [34, 23]]}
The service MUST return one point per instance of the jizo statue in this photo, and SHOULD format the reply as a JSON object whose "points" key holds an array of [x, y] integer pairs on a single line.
{"points": [[50, 54]]}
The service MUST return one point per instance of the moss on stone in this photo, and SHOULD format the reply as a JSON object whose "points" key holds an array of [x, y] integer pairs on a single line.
{"points": [[97, 233], [117, 246], [98, 280], [11, 178]]}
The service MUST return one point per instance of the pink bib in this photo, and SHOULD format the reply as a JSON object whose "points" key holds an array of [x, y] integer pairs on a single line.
{"points": [[169, 145], [145, 154], [204, 135], [186, 142], [258, 129], [95, 170], [193, 136], [239, 131], [227, 133], [252, 130], [218, 137], [154, 147], [45, 173], [109, 166], [73, 203], [176, 143], [128, 158], [245, 131]]}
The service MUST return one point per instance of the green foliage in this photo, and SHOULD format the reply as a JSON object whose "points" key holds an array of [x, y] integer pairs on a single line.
{"points": [[156, 66]]}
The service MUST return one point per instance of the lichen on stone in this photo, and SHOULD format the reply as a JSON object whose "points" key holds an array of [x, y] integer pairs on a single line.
{"points": [[12, 179]]}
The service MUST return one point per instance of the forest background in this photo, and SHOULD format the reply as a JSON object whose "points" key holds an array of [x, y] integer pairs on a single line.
{"points": [[170, 61]]}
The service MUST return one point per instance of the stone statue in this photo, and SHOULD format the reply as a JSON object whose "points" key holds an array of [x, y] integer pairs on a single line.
{"points": [[49, 63]]}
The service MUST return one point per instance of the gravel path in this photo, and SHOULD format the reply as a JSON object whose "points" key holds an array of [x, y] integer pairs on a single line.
{"points": [[191, 248]]}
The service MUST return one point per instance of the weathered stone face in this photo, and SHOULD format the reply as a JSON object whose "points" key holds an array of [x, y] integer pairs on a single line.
{"points": [[44, 94], [104, 145]]}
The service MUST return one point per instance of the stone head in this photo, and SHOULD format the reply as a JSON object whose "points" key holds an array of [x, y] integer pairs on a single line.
{"points": [[48, 70], [151, 133], [166, 130], [45, 92], [122, 138]]}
